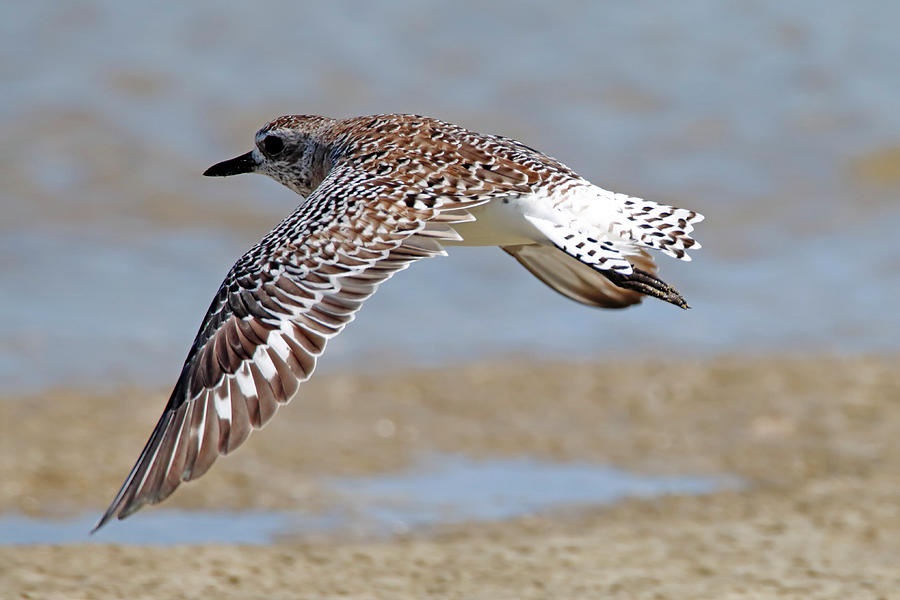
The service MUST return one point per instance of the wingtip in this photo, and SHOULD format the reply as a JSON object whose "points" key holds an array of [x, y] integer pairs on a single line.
{"points": [[678, 301], [675, 298], [103, 521]]}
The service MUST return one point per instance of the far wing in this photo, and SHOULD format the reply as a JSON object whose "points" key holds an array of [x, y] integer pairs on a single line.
{"points": [[574, 279], [275, 311], [633, 271]]}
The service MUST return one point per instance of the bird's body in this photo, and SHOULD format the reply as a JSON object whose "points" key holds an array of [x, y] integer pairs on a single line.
{"points": [[381, 192]]}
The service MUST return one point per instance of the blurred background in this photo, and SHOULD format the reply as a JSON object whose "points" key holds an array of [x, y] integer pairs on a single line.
{"points": [[779, 121], [566, 445]]}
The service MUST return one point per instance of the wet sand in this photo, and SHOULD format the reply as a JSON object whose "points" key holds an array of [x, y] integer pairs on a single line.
{"points": [[816, 440]]}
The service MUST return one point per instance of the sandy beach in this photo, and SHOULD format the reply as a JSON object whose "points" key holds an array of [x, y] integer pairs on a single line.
{"points": [[815, 440]]}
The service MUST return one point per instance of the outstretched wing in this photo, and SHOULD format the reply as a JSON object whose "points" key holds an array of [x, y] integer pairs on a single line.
{"points": [[275, 311]]}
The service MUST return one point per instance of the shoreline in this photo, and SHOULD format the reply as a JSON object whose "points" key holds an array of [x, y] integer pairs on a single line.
{"points": [[814, 437]]}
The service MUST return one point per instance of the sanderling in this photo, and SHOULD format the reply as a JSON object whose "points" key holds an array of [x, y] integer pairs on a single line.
{"points": [[381, 192]]}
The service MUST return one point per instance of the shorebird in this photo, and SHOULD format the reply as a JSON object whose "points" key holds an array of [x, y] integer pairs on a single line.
{"points": [[379, 193]]}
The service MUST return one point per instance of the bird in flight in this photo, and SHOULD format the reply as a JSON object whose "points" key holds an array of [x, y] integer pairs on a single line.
{"points": [[379, 193]]}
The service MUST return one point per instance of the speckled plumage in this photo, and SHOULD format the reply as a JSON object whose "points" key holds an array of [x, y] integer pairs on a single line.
{"points": [[380, 193]]}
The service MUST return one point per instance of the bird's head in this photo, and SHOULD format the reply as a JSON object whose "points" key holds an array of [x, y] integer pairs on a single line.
{"points": [[288, 149]]}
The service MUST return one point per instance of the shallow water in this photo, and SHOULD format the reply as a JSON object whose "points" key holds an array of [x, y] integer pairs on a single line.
{"points": [[444, 489], [454, 489], [766, 116]]}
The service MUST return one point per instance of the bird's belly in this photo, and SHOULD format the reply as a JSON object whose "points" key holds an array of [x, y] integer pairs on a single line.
{"points": [[500, 222]]}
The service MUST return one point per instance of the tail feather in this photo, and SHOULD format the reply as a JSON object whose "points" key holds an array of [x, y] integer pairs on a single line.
{"points": [[592, 247], [658, 226]]}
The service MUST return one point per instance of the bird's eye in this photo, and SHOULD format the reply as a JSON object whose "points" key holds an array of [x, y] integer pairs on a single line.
{"points": [[272, 145]]}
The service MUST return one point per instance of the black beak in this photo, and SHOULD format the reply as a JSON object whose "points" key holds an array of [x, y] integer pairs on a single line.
{"points": [[233, 166]]}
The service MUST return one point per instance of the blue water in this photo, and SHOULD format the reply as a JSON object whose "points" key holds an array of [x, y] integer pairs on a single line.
{"points": [[156, 527], [445, 489], [454, 489], [755, 113]]}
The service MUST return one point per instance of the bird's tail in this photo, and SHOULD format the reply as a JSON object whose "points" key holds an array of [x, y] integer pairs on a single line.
{"points": [[658, 226], [599, 257]]}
